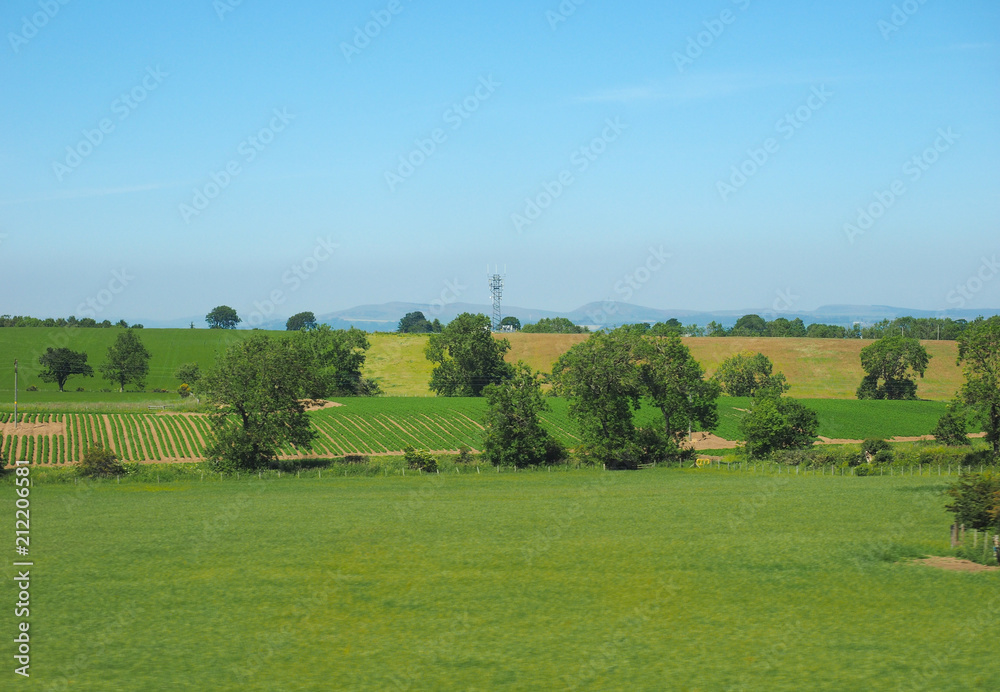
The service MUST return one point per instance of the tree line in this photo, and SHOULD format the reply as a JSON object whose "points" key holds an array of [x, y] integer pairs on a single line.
{"points": [[924, 328], [71, 321]]}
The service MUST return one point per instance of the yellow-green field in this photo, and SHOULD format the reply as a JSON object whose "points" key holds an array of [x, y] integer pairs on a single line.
{"points": [[816, 368]]}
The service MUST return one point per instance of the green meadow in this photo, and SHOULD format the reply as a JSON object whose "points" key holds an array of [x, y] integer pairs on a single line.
{"points": [[566, 579]]}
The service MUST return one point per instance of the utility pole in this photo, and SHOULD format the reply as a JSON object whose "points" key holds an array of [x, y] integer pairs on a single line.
{"points": [[15, 394]]}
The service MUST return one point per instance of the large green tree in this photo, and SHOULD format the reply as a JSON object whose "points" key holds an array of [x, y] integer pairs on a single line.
{"points": [[746, 373], [254, 391], [979, 352], [775, 422], [222, 317], [467, 357], [61, 363], [749, 325], [675, 383], [331, 362], [890, 365], [599, 379], [127, 361], [514, 435], [300, 321], [416, 323], [605, 379]]}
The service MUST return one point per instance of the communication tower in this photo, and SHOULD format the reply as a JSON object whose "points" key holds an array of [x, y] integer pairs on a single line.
{"points": [[496, 290]]}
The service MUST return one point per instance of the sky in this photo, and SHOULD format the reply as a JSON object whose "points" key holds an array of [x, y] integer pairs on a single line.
{"points": [[159, 159]]}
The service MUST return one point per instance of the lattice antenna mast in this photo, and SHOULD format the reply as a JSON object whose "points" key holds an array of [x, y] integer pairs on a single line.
{"points": [[496, 290]]}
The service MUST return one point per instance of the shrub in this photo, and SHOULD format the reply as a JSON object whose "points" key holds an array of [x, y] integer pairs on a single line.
{"points": [[184, 390], [80, 389], [465, 456], [952, 428], [420, 459], [159, 391], [355, 459], [976, 500], [98, 461], [875, 451], [32, 388], [982, 457]]}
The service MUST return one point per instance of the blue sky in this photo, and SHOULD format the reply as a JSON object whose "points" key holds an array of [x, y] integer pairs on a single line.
{"points": [[570, 142]]}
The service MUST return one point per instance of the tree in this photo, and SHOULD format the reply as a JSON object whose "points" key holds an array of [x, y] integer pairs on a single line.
{"points": [[511, 322], [606, 378], [889, 366], [979, 351], [222, 317], [254, 391], [467, 357], [303, 320], [774, 423], [127, 361], [514, 436], [599, 378], [188, 373], [976, 500], [331, 362], [416, 323], [553, 325], [713, 328], [953, 427], [749, 325], [675, 382], [61, 363], [747, 373]]}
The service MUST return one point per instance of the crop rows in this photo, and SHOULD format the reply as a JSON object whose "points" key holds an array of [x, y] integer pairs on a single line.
{"points": [[134, 437], [388, 425]]}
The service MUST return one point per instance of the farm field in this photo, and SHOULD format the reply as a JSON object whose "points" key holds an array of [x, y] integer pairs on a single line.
{"points": [[816, 368], [383, 425], [660, 579]]}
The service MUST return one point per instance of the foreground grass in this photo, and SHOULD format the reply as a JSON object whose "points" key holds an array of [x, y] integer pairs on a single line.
{"points": [[660, 579]]}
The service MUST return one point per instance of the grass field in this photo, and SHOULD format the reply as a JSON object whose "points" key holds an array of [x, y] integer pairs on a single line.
{"points": [[661, 579], [388, 424], [816, 368]]}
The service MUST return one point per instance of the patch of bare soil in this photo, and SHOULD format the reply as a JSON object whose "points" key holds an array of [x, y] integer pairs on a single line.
{"points": [[317, 404], [954, 564], [33, 428], [705, 440]]}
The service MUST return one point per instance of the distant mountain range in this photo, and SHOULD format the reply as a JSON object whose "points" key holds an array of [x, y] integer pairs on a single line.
{"points": [[385, 317]]}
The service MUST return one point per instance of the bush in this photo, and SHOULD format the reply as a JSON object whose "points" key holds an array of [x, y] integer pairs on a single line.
{"points": [[420, 459], [875, 451], [184, 390], [80, 389], [160, 391], [952, 429], [465, 456], [100, 462], [976, 500], [981, 457], [32, 388], [355, 459]]}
